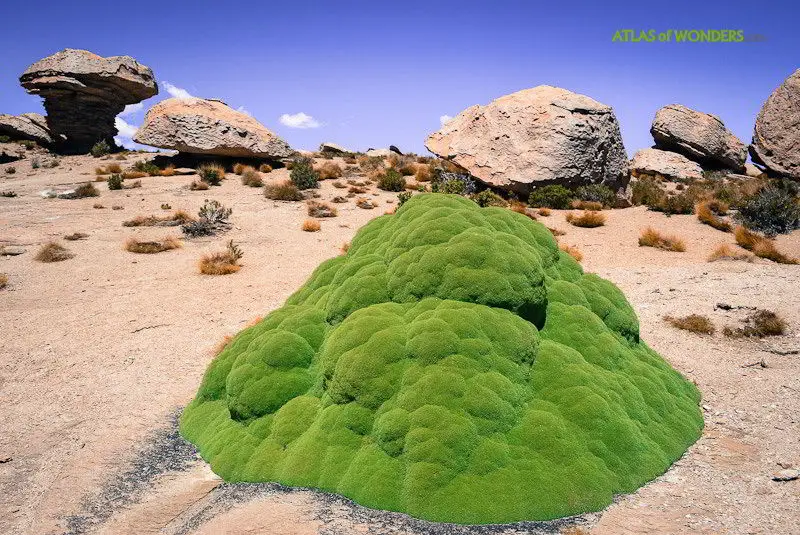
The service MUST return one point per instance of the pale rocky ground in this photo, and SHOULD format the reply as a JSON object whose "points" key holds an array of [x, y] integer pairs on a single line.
{"points": [[99, 353]]}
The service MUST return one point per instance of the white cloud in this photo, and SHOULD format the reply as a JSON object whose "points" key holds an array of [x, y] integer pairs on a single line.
{"points": [[130, 109], [244, 110], [444, 119], [299, 120], [124, 129], [177, 92]]}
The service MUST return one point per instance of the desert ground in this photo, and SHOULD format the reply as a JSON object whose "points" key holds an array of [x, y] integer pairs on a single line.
{"points": [[100, 352]]}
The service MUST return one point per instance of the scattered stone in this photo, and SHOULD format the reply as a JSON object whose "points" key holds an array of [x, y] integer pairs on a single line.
{"points": [[699, 136], [787, 474], [208, 126], [539, 136], [666, 164], [776, 136], [84, 92], [30, 126], [11, 250]]}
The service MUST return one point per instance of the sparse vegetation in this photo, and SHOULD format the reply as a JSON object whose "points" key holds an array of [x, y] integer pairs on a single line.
{"points": [[283, 191], [357, 190], [100, 171], [114, 168], [265, 168], [3, 280], [10, 170], [53, 252], [596, 193], [211, 173], [553, 196], [647, 191], [773, 210], [75, 236], [303, 175], [338, 184], [707, 216], [488, 198], [759, 324], [402, 197], [574, 252], [761, 246], [35, 163], [693, 322], [329, 170], [85, 190], [222, 263], [587, 219], [726, 252], [455, 183], [578, 204], [320, 209], [366, 204], [145, 168], [391, 180], [544, 212], [650, 237], [423, 173], [114, 182], [101, 148], [180, 217], [212, 218], [251, 177], [311, 225], [152, 247], [239, 168], [98, 206]]}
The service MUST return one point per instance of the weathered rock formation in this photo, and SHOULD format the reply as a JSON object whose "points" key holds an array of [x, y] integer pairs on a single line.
{"points": [[333, 148], [84, 92], [666, 164], [699, 136], [539, 136], [201, 126], [30, 126], [776, 137]]}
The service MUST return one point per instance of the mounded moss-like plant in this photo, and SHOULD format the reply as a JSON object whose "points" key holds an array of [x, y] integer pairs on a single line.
{"points": [[453, 365]]}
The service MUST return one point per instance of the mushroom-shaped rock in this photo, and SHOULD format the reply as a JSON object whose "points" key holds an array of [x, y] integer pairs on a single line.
{"points": [[84, 92], [544, 135], [671, 165], [31, 126], [776, 137], [208, 126], [699, 136]]}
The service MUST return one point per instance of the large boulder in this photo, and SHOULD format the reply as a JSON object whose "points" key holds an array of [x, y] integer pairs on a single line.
{"points": [[544, 135], [699, 136], [666, 164], [776, 137], [30, 126], [84, 92], [333, 148], [208, 126]]}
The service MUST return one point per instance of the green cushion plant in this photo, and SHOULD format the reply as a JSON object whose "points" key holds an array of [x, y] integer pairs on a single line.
{"points": [[453, 365]]}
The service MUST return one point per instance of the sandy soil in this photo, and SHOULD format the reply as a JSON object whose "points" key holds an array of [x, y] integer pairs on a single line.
{"points": [[99, 352]]}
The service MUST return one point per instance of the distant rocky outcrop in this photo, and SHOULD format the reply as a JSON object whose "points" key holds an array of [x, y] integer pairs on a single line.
{"points": [[84, 92], [208, 126], [395, 150], [380, 153], [544, 135], [333, 147], [699, 136], [30, 126], [665, 164], [776, 137]]}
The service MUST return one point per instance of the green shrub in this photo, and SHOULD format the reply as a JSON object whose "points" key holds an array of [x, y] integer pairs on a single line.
{"points": [[114, 181], [392, 180], [488, 198], [773, 210], [552, 196], [596, 193], [454, 183], [648, 192], [28, 144], [211, 173], [402, 197], [303, 175], [4, 139], [453, 365], [35, 164], [101, 148], [144, 166]]}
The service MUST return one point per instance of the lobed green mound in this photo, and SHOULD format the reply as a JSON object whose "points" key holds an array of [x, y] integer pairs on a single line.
{"points": [[454, 365]]}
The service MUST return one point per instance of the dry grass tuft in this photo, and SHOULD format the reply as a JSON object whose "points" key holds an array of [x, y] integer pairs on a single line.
{"points": [[265, 168], [311, 225], [726, 252], [98, 206], [117, 207], [178, 218], [3, 280], [75, 236], [251, 177], [759, 324], [693, 322], [544, 212], [239, 168], [113, 168], [86, 190], [168, 171], [321, 209], [357, 190], [222, 263], [588, 219], [366, 204], [586, 205], [100, 171], [573, 252], [556, 232], [329, 170], [53, 252], [151, 247], [344, 248], [284, 191], [650, 237], [423, 173], [338, 184], [706, 215], [761, 246], [133, 174]]}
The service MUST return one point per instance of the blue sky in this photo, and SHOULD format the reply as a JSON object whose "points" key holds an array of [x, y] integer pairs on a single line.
{"points": [[370, 74]]}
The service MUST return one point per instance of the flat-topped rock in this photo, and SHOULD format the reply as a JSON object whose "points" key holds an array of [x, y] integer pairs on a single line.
{"points": [[670, 165], [207, 126], [84, 92]]}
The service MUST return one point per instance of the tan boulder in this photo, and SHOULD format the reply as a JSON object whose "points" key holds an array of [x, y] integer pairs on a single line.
{"points": [[208, 126], [544, 135], [30, 126], [666, 164], [776, 137]]}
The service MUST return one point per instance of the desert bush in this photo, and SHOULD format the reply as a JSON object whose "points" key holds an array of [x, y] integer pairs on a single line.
{"points": [[35, 163], [152, 247], [402, 197], [303, 175], [114, 168], [85, 190], [211, 173], [488, 198], [423, 173], [145, 168], [454, 183], [726, 252], [311, 225], [578, 204], [11, 170], [773, 210], [574, 252], [320, 209], [339, 199], [370, 163], [758, 324], [677, 203], [265, 168], [101, 148], [222, 263], [5, 139], [693, 322], [250, 177], [707, 216], [212, 218], [114, 182], [650, 237], [588, 219], [761, 246], [544, 212], [121, 157], [100, 171], [53, 252], [647, 192], [166, 206], [596, 193], [329, 170], [239, 168], [551, 196], [283, 191], [392, 180], [75, 236]]}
